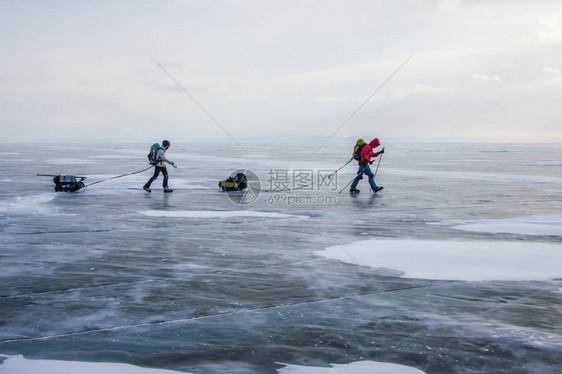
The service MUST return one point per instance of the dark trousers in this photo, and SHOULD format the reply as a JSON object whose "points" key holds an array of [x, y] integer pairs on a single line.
{"points": [[157, 171]]}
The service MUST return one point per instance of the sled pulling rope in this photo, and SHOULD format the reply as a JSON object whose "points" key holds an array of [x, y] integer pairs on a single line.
{"points": [[119, 176], [306, 186], [73, 183]]}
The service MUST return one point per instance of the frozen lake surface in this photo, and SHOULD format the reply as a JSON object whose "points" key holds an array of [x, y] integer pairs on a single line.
{"points": [[455, 267]]}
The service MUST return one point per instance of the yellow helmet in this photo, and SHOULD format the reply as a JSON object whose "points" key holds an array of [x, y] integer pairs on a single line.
{"points": [[360, 142]]}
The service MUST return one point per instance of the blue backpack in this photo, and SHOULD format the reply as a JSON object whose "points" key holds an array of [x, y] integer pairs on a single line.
{"points": [[153, 154]]}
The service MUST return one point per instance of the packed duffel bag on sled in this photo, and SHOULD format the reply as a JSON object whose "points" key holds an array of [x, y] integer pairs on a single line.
{"points": [[68, 183], [237, 183]]}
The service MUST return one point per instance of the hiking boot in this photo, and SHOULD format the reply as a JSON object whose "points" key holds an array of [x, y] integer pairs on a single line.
{"points": [[167, 190], [147, 189], [354, 190], [377, 189]]}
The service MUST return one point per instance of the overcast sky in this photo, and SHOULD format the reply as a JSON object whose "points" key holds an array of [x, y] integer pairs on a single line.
{"points": [[82, 71]]}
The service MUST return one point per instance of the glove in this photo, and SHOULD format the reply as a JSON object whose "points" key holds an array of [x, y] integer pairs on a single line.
{"points": [[174, 165], [370, 162], [382, 151]]}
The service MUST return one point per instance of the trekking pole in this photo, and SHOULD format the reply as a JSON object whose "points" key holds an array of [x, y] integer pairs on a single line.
{"points": [[335, 172], [351, 181], [351, 159], [380, 158]]}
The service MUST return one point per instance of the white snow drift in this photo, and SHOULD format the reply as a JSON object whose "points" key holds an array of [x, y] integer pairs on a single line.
{"points": [[450, 260]]}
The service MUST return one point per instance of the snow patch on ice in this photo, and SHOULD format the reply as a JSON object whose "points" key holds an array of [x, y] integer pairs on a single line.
{"points": [[19, 364], [216, 214], [449, 260], [548, 163], [358, 367], [27, 204], [535, 225]]}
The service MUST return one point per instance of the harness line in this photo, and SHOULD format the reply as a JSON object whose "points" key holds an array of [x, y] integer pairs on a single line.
{"points": [[119, 176], [305, 186]]}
